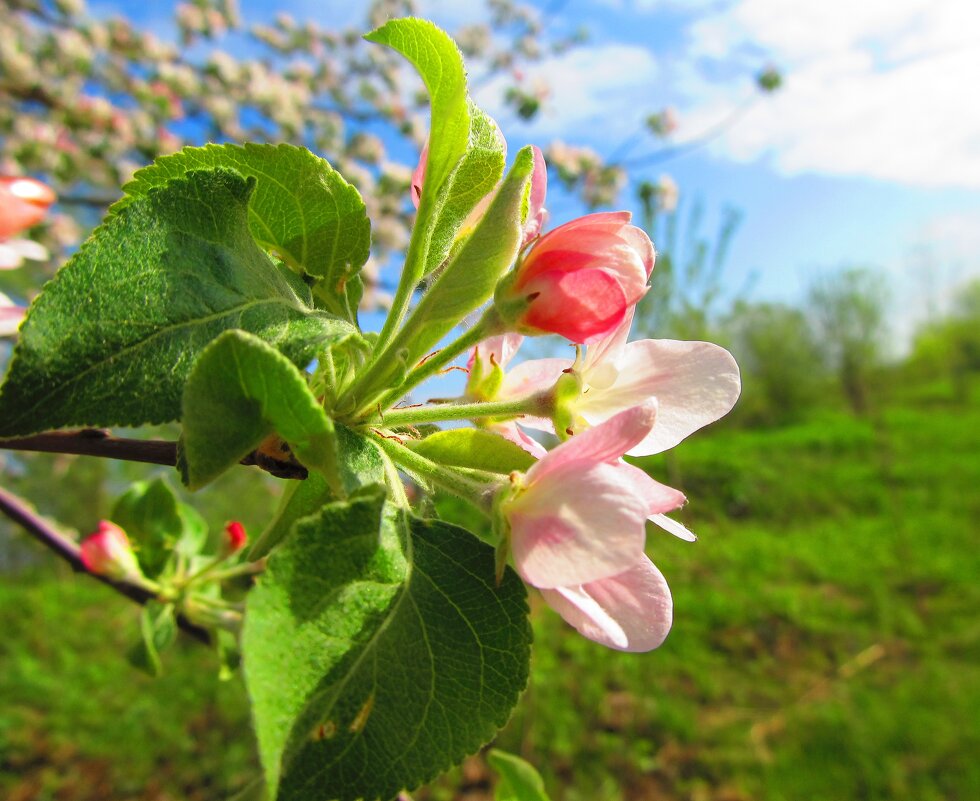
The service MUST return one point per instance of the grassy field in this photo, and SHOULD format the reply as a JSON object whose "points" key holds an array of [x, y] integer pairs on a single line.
{"points": [[826, 646]]}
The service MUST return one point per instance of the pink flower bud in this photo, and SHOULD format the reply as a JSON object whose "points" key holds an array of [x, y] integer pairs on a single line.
{"points": [[23, 203], [236, 536], [107, 553], [580, 280]]}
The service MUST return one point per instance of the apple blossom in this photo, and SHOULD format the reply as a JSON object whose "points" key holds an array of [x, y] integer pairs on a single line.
{"points": [[107, 552], [581, 279], [579, 513], [694, 383], [577, 531]]}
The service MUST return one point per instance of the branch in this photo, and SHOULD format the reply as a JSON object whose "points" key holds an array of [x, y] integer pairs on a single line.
{"points": [[20, 512], [99, 442]]}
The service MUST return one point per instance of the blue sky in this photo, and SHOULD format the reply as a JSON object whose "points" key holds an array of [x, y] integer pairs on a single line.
{"points": [[869, 154]]}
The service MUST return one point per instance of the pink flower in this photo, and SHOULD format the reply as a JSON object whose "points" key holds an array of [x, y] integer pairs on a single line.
{"points": [[693, 383], [107, 553], [581, 279], [236, 537], [23, 203], [577, 532]]}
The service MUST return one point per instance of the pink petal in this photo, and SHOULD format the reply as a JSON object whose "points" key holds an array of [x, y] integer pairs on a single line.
{"points": [[603, 443], [580, 306], [528, 378], [638, 240], [513, 432], [577, 524], [659, 497], [608, 350], [536, 214], [695, 383], [10, 319], [631, 611], [418, 176]]}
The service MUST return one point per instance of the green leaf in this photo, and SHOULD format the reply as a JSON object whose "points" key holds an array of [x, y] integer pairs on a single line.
{"points": [[302, 210], [475, 448], [240, 391], [475, 176], [158, 630], [158, 524], [519, 781], [466, 149], [360, 464], [472, 275], [438, 60], [379, 651], [112, 338]]}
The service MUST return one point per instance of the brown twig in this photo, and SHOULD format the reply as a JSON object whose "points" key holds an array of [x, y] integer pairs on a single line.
{"points": [[99, 442], [40, 529]]}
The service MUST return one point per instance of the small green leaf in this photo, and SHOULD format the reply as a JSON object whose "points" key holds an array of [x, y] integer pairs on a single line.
{"points": [[438, 60], [240, 391], [158, 630], [302, 210], [378, 652], [112, 338], [519, 781], [158, 524], [470, 278], [475, 448], [475, 176]]}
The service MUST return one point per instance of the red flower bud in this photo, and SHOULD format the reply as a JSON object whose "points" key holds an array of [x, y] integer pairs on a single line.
{"points": [[23, 203], [237, 538], [107, 553]]}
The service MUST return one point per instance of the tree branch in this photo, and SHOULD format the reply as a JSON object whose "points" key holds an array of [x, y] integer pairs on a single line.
{"points": [[40, 529], [100, 442]]}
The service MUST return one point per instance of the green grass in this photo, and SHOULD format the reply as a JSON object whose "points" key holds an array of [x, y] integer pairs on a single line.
{"points": [[826, 646]]}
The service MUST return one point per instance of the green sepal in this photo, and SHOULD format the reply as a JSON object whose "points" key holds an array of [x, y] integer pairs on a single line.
{"points": [[111, 339], [302, 211], [241, 391], [158, 630], [378, 651], [473, 448], [519, 781]]}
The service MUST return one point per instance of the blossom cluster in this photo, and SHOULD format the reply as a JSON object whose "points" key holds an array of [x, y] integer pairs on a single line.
{"points": [[575, 522]]}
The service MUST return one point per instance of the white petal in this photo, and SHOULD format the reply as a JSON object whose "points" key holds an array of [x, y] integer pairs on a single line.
{"points": [[694, 383], [671, 526]]}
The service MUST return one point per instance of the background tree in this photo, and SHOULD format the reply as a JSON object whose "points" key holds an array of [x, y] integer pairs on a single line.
{"points": [[848, 310]]}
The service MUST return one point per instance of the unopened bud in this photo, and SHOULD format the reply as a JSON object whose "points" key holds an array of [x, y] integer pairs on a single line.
{"points": [[236, 536], [107, 553]]}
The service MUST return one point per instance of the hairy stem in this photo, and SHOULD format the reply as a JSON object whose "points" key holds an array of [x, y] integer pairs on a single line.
{"points": [[44, 532], [539, 405]]}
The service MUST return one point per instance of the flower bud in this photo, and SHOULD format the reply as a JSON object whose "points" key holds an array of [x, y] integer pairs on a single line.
{"points": [[579, 280], [107, 553], [236, 537]]}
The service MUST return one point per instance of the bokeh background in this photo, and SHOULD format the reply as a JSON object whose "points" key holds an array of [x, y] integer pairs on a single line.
{"points": [[810, 174]]}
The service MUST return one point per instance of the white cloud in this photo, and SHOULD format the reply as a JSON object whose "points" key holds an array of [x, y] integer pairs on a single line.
{"points": [[594, 92], [877, 88]]}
